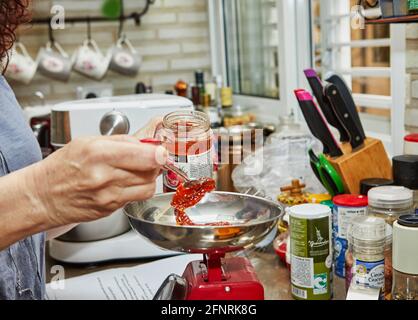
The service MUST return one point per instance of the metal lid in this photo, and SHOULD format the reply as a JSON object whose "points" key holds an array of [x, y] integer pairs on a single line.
{"points": [[410, 221], [349, 200], [405, 171], [390, 196], [310, 211], [367, 184]]}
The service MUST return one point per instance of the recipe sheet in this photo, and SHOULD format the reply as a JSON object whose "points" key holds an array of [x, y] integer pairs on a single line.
{"points": [[136, 283]]}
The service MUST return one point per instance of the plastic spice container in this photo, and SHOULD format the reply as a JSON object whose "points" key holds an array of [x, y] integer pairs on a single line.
{"points": [[310, 251], [365, 258], [405, 261], [389, 203], [189, 141], [346, 207]]}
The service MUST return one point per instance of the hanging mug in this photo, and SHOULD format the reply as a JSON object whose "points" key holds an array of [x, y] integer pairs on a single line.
{"points": [[125, 59], [21, 67], [90, 61], [55, 64]]}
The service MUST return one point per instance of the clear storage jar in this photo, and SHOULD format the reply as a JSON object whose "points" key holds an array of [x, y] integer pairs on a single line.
{"points": [[389, 203]]}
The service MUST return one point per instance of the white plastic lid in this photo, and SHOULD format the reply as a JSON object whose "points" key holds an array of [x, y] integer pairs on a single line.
{"points": [[310, 211], [367, 228], [390, 195]]}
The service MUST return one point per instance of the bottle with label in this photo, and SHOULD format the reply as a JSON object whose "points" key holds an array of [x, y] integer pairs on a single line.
{"points": [[346, 207], [365, 258], [311, 252], [389, 203], [405, 258], [189, 141], [211, 110]]}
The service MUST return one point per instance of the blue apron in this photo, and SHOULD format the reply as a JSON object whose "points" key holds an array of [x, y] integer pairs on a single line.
{"points": [[22, 264]]}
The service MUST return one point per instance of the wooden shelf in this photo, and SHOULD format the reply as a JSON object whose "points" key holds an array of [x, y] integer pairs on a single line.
{"points": [[404, 19]]}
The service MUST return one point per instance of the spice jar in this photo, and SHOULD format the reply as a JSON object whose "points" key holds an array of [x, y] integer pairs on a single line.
{"points": [[405, 173], [346, 207], [188, 139], [405, 258], [365, 258], [389, 203]]}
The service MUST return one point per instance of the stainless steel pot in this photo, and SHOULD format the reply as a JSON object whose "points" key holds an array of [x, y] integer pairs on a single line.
{"points": [[102, 229]]}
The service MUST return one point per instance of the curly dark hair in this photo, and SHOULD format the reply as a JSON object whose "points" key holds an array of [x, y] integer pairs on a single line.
{"points": [[13, 13]]}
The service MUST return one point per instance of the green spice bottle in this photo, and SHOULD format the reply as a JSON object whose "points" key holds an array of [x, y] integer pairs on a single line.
{"points": [[311, 252]]}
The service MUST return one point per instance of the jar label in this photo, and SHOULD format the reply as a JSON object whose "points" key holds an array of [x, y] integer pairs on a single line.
{"points": [[311, 258], [196, 167], [342, 217], [369, 274]]}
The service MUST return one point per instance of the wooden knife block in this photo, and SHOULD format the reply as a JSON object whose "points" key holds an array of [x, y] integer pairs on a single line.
{"points": [[371, 161]]}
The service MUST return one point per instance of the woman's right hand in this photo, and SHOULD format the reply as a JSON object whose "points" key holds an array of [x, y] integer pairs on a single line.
{"points": [[90, 178]]}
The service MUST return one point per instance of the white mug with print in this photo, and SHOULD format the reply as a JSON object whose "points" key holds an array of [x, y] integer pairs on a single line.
{"points": [[21, 67], [89, 60], [54, 62], [125, 59]]}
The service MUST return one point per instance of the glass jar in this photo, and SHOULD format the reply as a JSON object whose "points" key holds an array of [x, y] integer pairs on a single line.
{"points": [[189, 142], [405, 262], [365, 257], [389, 203]]}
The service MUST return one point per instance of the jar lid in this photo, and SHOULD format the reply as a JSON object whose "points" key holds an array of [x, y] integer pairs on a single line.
{"points": [[309, 211], [349, 200], [412, 138], [367, 184], [367, 228], [318, 198], [405, 171], [390, 196], [328, 203], [410, 221]]}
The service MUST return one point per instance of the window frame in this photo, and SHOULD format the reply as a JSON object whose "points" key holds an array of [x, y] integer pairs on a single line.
{"points": [[269, 108], [297, 15]]}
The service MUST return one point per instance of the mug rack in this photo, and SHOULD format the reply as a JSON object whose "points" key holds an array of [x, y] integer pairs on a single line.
{"points": [[136, 16]]}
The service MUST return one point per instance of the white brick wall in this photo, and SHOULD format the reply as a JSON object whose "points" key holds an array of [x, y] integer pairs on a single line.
{"points": [[173, 40]]}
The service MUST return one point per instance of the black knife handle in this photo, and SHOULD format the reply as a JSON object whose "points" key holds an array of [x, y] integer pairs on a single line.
{"points": [[347, 96], [343, 112], [318, 91], [318, 125]]}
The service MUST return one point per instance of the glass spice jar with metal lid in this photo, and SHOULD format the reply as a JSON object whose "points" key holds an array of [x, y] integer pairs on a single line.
{"points": [[189, 140], [389, 203]]}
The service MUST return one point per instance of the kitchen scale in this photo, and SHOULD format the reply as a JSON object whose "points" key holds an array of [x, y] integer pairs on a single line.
{"points": [[217, 276]]}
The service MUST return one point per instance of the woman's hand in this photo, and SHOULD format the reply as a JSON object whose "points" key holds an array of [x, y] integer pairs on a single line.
{"points": [[91, 178]]}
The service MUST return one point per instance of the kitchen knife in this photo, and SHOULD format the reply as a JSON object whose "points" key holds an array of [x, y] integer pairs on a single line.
{"points": [[318, 91], [347, 96], [317, 123], [342, 110]]}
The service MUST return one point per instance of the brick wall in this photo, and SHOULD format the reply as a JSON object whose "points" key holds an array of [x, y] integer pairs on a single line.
{"points": [[412, 78], [173, 41]]}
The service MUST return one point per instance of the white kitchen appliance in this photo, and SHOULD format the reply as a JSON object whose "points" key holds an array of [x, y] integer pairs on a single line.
{"points": [[110, 238]]}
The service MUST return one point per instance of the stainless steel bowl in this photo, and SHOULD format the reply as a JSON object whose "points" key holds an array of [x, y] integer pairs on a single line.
{"points": [[251, 219]]}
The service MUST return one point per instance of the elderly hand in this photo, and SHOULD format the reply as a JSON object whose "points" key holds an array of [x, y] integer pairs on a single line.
{"points": [[91, 178]]}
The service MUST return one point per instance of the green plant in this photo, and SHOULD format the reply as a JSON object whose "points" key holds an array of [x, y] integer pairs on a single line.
{"points": [[111, 8]]}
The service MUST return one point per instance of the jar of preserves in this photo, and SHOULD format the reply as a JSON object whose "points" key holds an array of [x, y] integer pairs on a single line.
{"points": [[188, 139], [389, 203]]}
